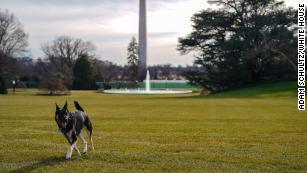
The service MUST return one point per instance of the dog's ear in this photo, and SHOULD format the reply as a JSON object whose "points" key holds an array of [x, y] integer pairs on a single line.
{"points": [[65, 106], [57, 107]]}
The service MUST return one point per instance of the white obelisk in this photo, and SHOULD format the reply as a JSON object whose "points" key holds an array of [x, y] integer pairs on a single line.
{"points": [[142, 38]]}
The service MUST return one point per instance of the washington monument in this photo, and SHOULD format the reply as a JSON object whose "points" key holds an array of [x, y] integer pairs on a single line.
{"points": [[142, 40]]}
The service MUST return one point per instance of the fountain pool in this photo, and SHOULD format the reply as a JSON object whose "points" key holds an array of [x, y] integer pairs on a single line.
{"points": [[147, 90]]}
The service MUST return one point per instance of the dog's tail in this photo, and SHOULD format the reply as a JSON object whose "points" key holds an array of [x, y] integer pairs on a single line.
{"points": [[78, 107]]}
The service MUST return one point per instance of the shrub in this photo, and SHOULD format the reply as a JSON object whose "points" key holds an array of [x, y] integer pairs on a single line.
{"points": [[53, 85]]}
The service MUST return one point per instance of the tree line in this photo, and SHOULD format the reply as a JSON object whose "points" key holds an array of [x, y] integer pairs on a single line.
{"points": [[239, 43], [68, 63]]}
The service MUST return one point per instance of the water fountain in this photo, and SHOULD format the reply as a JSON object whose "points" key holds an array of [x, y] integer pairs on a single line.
{"points": [[147, 89], [147, 81], [143, 60]]}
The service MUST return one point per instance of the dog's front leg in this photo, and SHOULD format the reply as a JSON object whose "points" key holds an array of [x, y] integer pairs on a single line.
{"points": [[69, 151], [76, 148], [73, 145]]}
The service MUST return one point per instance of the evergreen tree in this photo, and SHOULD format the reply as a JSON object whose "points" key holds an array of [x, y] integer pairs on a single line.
{"points": [[83, 73], [244, 41], [133, 60]]}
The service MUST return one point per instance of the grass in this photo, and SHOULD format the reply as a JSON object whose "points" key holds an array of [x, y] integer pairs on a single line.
{"points": [[257, 129]]}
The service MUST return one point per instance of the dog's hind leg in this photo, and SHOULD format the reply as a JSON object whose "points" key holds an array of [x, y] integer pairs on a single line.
{"points": [[89, 130], [92, 143], [84, 142], [91, 138]]}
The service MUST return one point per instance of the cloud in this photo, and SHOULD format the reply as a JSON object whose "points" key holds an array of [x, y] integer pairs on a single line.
{"points": [[109, 24]]}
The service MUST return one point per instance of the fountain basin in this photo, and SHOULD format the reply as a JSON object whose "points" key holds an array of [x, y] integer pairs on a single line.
{"points": [[147, 89], [147, 92]]}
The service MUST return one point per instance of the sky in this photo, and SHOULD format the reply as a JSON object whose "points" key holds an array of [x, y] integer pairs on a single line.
{"points": [[110, 25]]}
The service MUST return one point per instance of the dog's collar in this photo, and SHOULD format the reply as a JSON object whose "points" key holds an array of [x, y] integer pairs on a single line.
{"points": [[62, 130]]}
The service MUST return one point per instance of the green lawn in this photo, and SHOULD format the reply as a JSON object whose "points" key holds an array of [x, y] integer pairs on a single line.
{"points": [[250, 130]]}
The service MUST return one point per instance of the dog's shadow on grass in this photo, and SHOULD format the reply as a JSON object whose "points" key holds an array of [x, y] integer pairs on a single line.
{"points": [[50, 161]]}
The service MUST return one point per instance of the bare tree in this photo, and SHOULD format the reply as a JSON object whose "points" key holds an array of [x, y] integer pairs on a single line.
{"points": [[62, 53], [67, 50], [13, 40]]}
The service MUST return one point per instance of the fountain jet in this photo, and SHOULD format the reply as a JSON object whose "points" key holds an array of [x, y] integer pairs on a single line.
{"points": [[147, 82]]}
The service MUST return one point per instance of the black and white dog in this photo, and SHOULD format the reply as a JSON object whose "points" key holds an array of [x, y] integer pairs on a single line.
{"points": [[71, 125]]}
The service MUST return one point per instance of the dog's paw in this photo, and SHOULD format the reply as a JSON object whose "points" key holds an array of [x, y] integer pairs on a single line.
{"points": [[69, 152], [68, 156]]}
